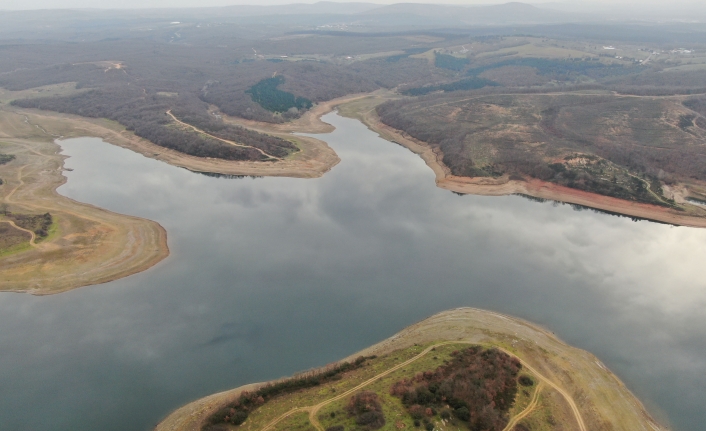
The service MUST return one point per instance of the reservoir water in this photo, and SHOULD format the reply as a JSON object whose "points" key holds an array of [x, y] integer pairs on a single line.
{"points": [[269, 276]]}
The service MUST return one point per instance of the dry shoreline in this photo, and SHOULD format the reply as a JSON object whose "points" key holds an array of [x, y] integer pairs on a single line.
{"points": [[88, 245], [504, 186], [600, 396], [95, 246]]}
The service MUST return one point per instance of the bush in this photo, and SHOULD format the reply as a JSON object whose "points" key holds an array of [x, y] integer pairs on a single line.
{"points": [[6, 158], [366, 409], [463, 413], [525, 380]]}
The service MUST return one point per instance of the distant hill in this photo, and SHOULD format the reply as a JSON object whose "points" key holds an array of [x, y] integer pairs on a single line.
{"points": [[508, 13], [323, 7]]}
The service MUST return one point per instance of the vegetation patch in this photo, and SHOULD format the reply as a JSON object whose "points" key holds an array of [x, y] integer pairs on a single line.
{"points": [[366, 409], [267, 95], [445, 61], [473, 83], [477, 386], [6, 158], [39, 224], [561, 70], [11, 237], [237, 412]]}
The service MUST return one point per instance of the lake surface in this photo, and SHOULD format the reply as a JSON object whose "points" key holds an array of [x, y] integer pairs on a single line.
{"points": [[270, 276]]}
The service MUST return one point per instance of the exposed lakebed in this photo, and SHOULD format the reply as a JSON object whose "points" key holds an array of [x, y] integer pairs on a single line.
{"points": [[269, 276]]}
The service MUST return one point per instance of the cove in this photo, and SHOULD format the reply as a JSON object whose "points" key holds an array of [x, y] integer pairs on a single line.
{"points": [[269, 276]]}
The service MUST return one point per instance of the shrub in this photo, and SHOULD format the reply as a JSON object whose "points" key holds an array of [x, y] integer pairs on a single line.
{"points": [[525, 380], [366, 409], [463, 413]]}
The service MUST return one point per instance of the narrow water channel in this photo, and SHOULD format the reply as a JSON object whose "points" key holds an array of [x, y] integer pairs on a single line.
{"points": [[269, 276]]}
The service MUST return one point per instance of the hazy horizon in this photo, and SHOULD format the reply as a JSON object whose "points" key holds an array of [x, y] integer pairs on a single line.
{"points": [[148, 4]]}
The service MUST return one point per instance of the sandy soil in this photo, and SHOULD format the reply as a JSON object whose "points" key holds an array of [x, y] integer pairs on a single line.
{"points": [[602, 400], [89, 245], [364, 111]]}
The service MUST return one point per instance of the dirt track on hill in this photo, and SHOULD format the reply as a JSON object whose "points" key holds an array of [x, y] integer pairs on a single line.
{"points": [[235, 144]]}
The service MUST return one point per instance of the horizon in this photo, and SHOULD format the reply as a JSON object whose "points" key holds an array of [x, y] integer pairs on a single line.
{"points": [[29, 5]]}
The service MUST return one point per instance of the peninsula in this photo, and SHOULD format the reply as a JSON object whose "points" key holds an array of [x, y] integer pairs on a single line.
{"points": [[538, 381]]}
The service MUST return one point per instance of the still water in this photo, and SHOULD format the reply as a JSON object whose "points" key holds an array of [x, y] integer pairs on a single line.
{"points": [[269, 276]]}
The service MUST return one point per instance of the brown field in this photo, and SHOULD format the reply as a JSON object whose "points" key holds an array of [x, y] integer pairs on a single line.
{"points": [[571, 389]]}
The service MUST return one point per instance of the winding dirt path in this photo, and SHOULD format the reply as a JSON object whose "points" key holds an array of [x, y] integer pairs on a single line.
{"points": [[32, 240], [196, 129], [313, 410], [569, 399], [529, 409], [8, 198]]}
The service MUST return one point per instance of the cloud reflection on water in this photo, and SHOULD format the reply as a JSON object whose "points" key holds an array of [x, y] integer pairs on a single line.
{"points": [[273, 275]]}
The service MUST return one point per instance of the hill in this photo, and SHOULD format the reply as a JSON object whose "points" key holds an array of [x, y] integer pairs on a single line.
{"points": [[502, 14]]}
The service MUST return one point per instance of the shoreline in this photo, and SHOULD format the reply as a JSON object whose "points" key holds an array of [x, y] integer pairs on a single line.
{"points": [[314, 159], [600, 395], [87, 245], [504, 186], [98, 246]]}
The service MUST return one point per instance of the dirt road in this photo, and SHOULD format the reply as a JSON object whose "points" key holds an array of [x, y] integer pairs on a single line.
{"points": [[314, 410], [196, 129]]}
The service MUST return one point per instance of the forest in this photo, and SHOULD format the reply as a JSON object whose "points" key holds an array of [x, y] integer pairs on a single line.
{"points": [[450, 62], [152, 78], [273, 99], [618, 146], [477, 387], [276, 79]]}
